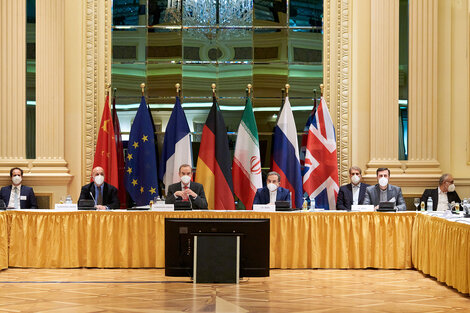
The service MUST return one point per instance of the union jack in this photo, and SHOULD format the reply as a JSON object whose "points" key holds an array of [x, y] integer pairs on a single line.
{"points": [[321, 165]]}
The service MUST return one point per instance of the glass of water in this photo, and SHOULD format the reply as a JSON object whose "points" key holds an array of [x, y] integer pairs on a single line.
{"points": [[416, 203]]}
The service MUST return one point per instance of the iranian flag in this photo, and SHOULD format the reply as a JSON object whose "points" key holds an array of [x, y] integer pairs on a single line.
{"points": [[246, 167]]}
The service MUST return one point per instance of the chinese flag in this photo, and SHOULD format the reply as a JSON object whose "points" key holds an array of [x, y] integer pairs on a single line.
{"points": [[105, 152]]}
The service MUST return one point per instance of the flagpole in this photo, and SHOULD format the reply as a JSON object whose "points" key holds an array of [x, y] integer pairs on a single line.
{"points": [[249, 86], [142, 86], [321, 89]]}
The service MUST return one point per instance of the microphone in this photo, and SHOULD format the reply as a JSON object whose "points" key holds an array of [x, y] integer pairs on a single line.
{"points": [[92, 197]]}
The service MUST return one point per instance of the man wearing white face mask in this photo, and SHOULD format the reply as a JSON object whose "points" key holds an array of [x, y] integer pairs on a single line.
{"points": [[352, 193], [442, 195], [16, 195], [384, 192], [103, 194], [187, 190], [272, 192]]}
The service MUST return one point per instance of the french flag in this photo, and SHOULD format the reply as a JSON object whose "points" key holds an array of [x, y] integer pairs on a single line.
{"points": [[286, 154], [176, 146], [321, 165]]}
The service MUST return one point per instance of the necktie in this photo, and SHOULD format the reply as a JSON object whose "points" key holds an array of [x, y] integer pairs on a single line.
{"points": [[17, 202], [185, 198], [100, 196]]}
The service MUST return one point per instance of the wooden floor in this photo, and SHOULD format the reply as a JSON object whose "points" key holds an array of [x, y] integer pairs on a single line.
{"points": [[148, 290]]}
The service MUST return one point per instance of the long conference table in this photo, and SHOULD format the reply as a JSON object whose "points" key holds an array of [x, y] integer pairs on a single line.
{"points": [[129, 239]]}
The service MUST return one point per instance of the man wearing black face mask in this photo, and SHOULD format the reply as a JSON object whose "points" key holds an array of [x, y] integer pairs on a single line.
{"points": [[16, 195], [103, 194]]}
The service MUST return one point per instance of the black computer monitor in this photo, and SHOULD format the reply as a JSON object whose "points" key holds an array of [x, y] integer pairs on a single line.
{"points": [[254, 243]]}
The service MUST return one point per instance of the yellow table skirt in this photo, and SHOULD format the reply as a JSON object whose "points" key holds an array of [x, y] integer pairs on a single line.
{"points": [[442, 249], [136, 239], [3, 241]]}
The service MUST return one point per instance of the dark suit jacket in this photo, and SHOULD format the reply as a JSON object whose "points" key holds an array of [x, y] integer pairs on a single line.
{"points": [[110, 194], [262, 195], [373, 196], [198, 203], [29, 203], [434, 194], [345, 196]]}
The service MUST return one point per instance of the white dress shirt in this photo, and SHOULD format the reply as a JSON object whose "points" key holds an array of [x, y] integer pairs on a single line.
{"points": [[11, 204], [442, 200], [355, 192], [272, 196]]}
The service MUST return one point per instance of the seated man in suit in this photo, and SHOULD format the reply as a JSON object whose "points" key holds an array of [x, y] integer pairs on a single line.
{"points": [[352, 193], [272, 192], [16, 195], [442, 195], [187, 190], [384, 192], [103, 194]]}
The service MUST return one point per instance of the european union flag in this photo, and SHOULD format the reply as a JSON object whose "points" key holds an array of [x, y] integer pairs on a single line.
{"points": [[141, 161]]}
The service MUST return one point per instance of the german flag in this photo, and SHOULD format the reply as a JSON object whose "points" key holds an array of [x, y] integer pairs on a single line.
{"points": [[214, 162]]}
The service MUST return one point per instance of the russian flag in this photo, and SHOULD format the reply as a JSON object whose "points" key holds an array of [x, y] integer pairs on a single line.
{"points": [[176, 146], [286, 154]]}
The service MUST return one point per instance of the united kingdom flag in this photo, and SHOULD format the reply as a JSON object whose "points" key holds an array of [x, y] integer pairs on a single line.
{"points": [[321, 166]]}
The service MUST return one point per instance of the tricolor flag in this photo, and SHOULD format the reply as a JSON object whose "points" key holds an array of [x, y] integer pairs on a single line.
{"points": [[214, 164], [321, 165], [105, 152], [141, 163], [246, 166], [120, 157], [176, 146], [286, 154]]}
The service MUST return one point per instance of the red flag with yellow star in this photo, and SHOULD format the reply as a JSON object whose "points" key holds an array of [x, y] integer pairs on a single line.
{"points": [[105, 152]]}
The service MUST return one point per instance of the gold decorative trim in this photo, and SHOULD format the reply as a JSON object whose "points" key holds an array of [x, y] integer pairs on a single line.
{"points": [[338, 62], [344, 84], [91, 87]]}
